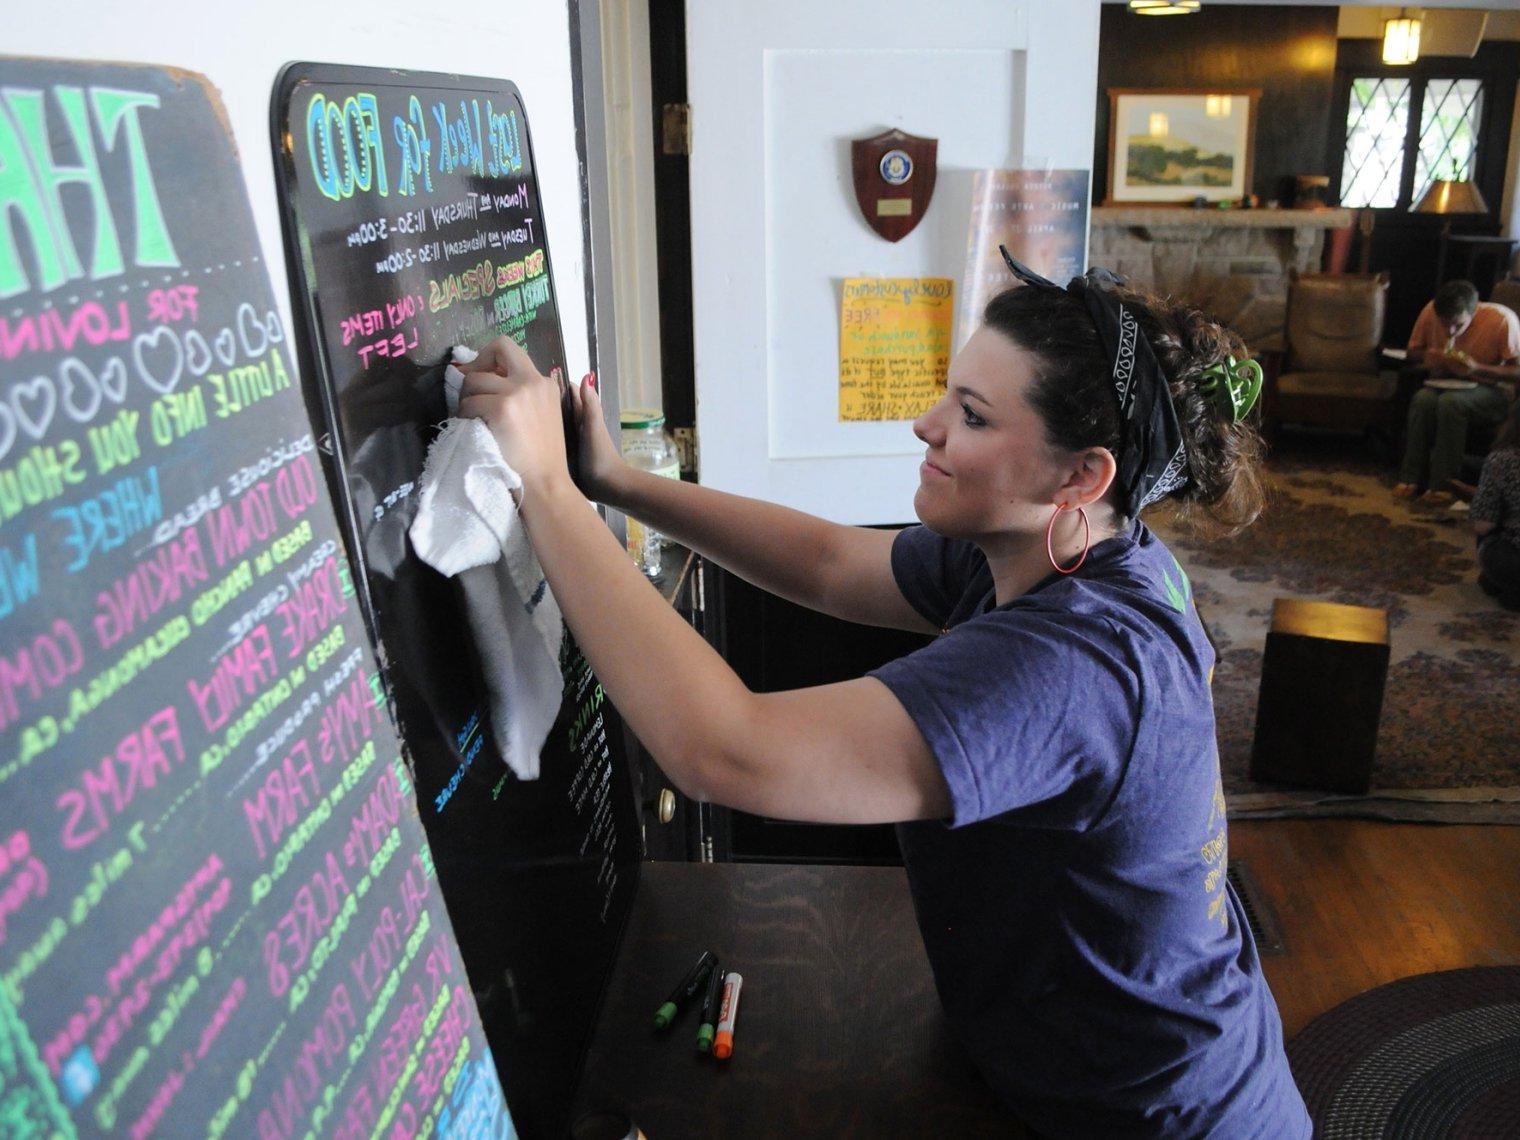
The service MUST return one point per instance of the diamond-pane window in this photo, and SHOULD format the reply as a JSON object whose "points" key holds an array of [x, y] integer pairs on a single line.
{"points": [[1377, 123], [1449, 122]]}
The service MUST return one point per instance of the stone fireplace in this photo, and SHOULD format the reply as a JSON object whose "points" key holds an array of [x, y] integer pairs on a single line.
{"points": [[1232, 263]]}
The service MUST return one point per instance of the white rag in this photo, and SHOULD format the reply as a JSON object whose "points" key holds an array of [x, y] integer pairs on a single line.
{"points": [[467, 526]]}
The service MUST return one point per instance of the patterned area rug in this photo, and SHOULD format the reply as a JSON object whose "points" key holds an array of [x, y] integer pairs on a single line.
{"points": [[1435, 1055], [1449, 739]]}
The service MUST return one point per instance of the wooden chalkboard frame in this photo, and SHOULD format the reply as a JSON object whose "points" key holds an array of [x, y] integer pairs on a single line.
{"points": [[538, 1084]]}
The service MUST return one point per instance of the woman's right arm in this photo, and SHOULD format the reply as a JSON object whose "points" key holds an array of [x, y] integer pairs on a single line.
{"points": [[844, 571]]}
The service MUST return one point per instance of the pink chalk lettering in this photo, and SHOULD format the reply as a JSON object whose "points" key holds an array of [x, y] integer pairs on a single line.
{"points": [[348, 722], [324, 1048], [140, 760], [398, 344], [311, 609], [93, 1008], [23, 877], [373, 965], [284, 796], [239, 673], [312, 910], [176, 303], [376, 817], [236, 526], [439, 1054], [154, 584], [295, 486], [54, 330], [43, 663]]}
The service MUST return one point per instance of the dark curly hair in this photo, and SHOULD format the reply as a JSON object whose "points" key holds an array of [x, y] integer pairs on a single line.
{"points": [[1074, 397]]}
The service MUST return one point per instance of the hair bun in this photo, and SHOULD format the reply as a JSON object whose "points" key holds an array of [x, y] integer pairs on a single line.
{"points": [[1224, 455]]}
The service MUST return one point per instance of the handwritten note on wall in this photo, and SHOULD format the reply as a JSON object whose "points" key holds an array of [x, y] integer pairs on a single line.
{"points": [[894, 346], [218, 914]]}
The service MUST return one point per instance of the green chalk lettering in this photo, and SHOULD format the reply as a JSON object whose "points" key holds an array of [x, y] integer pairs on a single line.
{"points": [[22, 195], [31, 180], [119, 111]]}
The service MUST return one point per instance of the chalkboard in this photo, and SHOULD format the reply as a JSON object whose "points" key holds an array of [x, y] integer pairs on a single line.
{"points": [[414, 223], [218, 911]]}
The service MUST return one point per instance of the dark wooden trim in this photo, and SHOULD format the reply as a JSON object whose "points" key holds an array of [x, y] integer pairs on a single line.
{"points": [[672, 185]]}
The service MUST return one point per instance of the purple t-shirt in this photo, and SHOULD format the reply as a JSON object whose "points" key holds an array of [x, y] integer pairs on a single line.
{"points": [[1085, 942]]}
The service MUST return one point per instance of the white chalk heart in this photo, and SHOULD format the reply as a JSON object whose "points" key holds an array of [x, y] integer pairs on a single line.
{"points": [[197, 353], [273, 328], [251, 332], [34, 402], [7, 431], [226, 347], [81, 391], [162, 362], [113, 379]]}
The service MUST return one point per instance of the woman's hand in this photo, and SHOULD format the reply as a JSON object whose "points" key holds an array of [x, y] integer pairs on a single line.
{"points": [[521, 406], [601, 464]]}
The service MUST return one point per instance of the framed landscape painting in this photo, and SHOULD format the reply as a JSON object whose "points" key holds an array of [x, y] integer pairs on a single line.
{"points": [[1176, 144]]}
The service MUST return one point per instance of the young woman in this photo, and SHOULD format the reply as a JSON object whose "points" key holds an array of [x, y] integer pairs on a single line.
{"points": [[1496, 516], [1051, 758]]}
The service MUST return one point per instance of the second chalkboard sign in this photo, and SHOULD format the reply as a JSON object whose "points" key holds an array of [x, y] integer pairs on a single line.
{"points": [[414, 223]]}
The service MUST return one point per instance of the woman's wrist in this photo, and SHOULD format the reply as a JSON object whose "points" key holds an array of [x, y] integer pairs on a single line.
{"points": [[616, 487], [548, 495]]}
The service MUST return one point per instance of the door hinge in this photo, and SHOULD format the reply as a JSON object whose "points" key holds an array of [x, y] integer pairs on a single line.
{"points": [[677, 128], [686, 447]]}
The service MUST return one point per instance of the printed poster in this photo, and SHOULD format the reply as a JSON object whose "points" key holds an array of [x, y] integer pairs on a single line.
{"points": [[894, 346], [1040, 215]]}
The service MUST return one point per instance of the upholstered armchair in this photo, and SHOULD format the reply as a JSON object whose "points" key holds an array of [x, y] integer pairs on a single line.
{"points": [[1507, 293], [1330, 372]]}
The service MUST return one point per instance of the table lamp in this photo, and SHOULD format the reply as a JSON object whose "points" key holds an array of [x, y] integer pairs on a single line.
{"points": [[1450, 197]]}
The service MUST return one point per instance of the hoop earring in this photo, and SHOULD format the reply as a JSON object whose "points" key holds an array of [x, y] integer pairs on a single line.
{"points": [[1086, 540]]}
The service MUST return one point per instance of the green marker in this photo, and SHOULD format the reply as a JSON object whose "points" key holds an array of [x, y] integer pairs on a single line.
{"points": [[683, 993], [710, 1002]]}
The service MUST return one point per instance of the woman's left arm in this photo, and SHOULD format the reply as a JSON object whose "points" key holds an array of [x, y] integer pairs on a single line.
{"points": [[843, 753]]}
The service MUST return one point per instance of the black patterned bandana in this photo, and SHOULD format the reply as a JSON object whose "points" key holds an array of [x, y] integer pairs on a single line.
{"points": [[1152, 462]]}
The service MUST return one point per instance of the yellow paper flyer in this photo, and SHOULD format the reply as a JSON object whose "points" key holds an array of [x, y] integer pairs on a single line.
{"points": [[894, 346]]}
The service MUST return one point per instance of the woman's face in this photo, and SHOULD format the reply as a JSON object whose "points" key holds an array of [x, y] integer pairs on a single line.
{"points": [[988, 470]]}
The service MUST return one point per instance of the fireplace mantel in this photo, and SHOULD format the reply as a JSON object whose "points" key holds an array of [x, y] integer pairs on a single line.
{"points": [[1232, 263], [1171, 217]]}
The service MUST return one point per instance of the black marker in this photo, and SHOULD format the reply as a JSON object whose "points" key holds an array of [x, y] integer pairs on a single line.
{"points": [[710, 1003], [683, 993]]}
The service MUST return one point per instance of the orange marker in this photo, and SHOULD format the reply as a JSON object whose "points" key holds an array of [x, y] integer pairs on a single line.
{"points": [[723, 1043]]}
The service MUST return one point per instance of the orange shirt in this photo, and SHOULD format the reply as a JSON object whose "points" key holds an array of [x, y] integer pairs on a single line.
{"points": [[1493, 336]]}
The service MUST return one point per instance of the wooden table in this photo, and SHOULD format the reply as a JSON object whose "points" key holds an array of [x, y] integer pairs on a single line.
{"points": [[840, 1032]]}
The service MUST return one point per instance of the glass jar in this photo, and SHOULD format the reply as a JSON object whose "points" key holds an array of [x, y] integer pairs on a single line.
{"points": [[647, 446]]}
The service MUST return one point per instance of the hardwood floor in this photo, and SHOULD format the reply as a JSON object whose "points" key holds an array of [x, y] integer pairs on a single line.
{"points": [[1363, 903]]}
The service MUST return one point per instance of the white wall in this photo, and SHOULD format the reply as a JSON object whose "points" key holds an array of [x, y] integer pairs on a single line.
{"points": [[777, 91], [241, 47]]}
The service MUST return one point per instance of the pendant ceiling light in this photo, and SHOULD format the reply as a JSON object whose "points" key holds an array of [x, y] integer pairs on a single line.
{"points": [[1164, 7], [1401, 39]]}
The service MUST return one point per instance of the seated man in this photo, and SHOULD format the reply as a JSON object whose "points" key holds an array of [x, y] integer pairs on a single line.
{"points": [[1456, 336]]}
